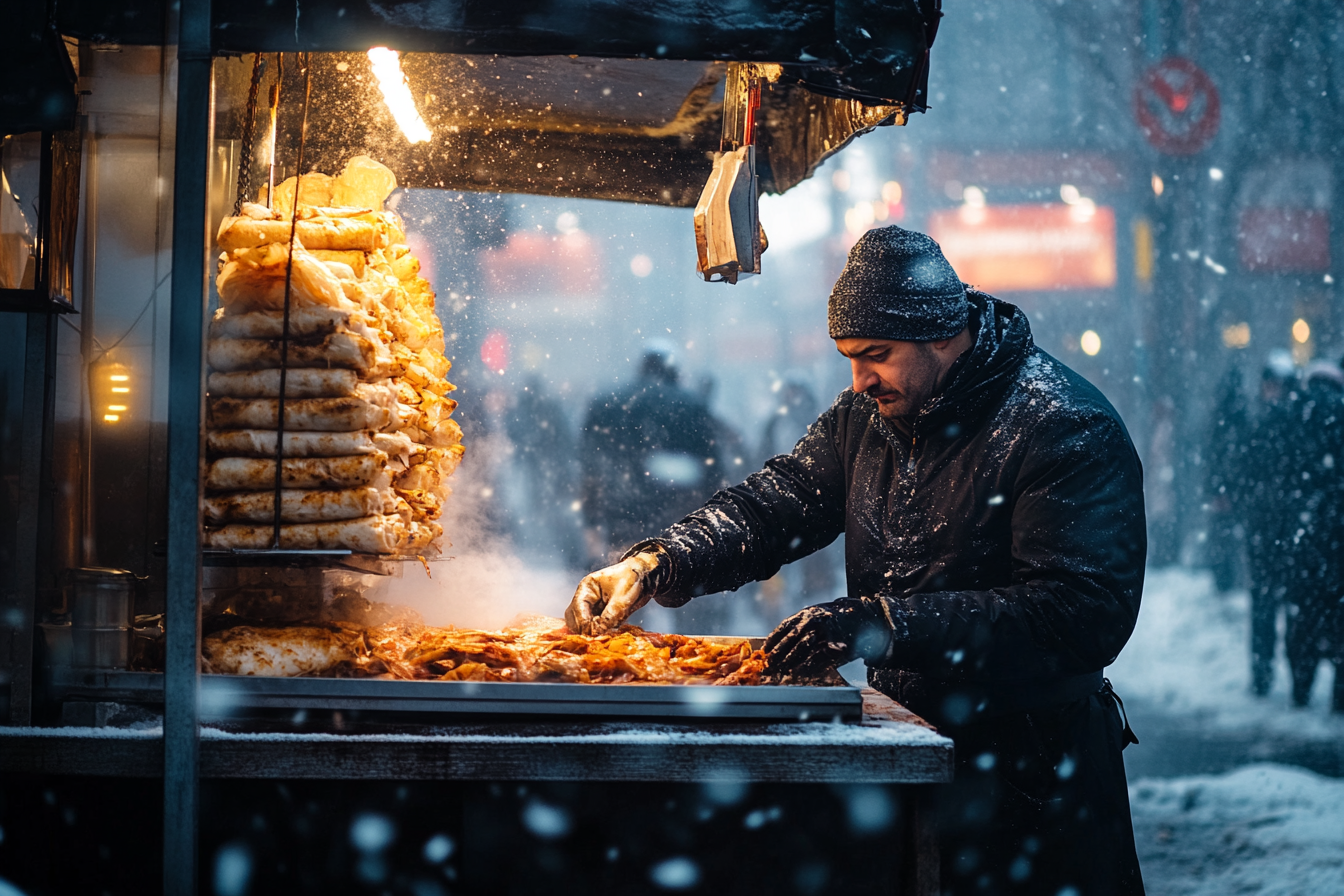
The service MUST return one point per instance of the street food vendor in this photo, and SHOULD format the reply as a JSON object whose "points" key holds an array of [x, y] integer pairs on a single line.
{"points": [[992, 507]]}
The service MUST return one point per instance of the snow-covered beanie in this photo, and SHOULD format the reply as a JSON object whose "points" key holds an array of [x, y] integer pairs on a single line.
{"points": [[897, 285]]}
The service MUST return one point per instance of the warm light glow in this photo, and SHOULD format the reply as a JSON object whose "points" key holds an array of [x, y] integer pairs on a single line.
{"points": [[840, 180], [641, 265], [1091, 342], [1158, 186], [111, 418], [1069, 193], [397, 94], [119, 378], [1301, 330], [120, 389], [881, 210], [1215, 174], [1237, 335], [859, 218], [116, 407], [1083, 210], [891, 192], [974, 197]]}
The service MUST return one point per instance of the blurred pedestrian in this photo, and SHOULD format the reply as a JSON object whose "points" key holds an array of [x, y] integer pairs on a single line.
{"points": [[1225, 453], [1315, 558], [1264, 483], [649, 456]]}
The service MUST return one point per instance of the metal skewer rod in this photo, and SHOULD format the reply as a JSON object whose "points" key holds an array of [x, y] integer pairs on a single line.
{"points": [[275, 111], [305, 62]]}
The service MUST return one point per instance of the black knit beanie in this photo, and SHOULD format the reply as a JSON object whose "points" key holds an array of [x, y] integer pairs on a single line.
{"points": [[897, 285]]}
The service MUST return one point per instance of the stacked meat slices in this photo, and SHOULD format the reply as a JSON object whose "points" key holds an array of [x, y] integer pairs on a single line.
{"points": [[368, 443]]}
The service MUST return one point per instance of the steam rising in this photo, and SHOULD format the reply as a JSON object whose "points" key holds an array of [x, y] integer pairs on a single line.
{"points": [[480, 581]]}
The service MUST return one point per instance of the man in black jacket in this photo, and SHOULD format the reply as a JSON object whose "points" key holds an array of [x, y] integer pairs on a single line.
{"points": [[992, 507]]}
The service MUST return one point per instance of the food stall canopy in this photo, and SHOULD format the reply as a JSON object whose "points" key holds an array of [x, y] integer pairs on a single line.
{"points": [[597, 99]]}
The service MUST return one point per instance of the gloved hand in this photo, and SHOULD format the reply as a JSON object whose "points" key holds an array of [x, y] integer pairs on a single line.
{"points": [[606, 598], [816, 640]]}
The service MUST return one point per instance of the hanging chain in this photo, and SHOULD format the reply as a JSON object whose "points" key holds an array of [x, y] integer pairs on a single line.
{"points": [[249, 136], [305, 63]]}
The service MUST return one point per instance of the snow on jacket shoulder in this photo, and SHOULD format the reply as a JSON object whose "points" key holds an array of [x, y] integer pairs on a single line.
{"points": [[1004, 534]]}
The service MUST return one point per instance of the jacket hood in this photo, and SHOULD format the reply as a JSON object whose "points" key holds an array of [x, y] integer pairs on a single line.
{"points": [[982, 376]]}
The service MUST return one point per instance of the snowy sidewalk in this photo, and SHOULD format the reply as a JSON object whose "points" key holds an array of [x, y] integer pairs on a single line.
{"points": [[1185, 679], [1255, 827], [1267, 829]]}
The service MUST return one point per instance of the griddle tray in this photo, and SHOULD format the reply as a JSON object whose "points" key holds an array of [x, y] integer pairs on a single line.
{"points": [[227, 694]]}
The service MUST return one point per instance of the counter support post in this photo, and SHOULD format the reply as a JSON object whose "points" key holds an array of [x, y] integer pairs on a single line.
{"points": [[921, 872], [181, 733]]}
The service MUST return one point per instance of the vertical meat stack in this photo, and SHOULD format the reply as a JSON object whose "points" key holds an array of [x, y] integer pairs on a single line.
{"points": [[367, 443]]}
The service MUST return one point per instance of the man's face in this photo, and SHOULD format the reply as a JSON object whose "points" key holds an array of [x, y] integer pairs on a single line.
{"points": [[900, 376]]}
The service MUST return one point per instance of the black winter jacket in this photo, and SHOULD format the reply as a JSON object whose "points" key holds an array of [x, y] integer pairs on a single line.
{"points": [[1003, 536]]}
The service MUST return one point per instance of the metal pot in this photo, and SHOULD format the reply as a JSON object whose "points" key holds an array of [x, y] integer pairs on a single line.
{"points": [[102, 598], [101, 614], [100, 648]]}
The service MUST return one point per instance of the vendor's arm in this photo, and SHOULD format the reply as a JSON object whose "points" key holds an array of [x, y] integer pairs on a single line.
{"points": [[791, 508], [1079, 546]]}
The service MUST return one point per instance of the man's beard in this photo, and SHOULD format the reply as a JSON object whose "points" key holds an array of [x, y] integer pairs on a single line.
{"points": [[920, 384]]}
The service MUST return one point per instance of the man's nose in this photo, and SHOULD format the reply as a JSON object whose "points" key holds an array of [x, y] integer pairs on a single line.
{"points": [[864, 377]]}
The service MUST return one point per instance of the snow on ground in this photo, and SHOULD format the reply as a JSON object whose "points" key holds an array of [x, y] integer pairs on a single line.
{"points": [[1189, 656], [1268, 829]]}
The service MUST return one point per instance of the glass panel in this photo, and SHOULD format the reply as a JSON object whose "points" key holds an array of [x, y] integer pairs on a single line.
{"points": [[20, 178], [110, 413]]}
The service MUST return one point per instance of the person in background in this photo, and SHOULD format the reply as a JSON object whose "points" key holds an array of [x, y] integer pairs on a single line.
{"points": [[1225, 458], [1315, 556], [1264, 485], [995, 540], [649, 454]]}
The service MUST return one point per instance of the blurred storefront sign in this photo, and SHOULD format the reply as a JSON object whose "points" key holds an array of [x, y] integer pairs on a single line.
{"points": [[1177, 107], [1284, 240], [1009, 248], [1089, 170], [1283, 217]]}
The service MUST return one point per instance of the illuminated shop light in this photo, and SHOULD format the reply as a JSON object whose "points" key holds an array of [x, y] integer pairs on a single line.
{"points": [[1237, 335], [110, 390], [1090, 343], [1301, 330], [397, 94]]}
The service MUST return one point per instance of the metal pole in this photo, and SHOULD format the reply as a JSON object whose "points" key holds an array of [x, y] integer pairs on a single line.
{"points": [[39, 356], [181, 786]]}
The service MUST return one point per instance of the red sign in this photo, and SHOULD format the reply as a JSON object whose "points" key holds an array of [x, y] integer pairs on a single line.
{"points": [[1177, 107], [1008, 248], [1285, 240]]}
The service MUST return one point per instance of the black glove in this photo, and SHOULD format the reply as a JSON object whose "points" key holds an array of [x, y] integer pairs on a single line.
{"points": [[813, 641]]}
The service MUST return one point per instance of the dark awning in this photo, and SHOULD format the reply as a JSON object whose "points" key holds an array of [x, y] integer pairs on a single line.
{"points": [[607, 99]]}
